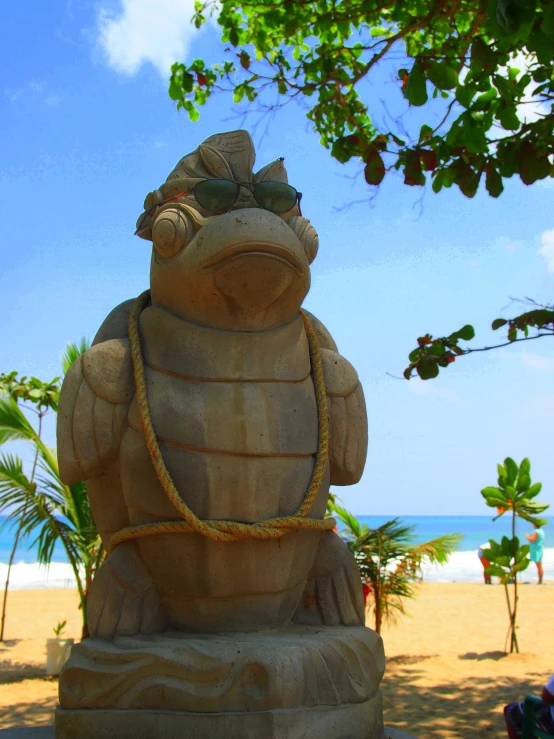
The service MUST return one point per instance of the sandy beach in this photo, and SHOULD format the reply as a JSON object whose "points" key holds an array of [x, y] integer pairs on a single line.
{"points": [[447, 675]]}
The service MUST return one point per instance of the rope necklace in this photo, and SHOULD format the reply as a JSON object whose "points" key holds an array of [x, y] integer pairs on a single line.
{"points": [[225, 530]]}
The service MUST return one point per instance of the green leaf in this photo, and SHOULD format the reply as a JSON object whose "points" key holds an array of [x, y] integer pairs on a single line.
{"points": [[547, 26], [520, 566], [464, 95], [425, 132], [482, 55], [496, 571], [498, 323], [442, 75], [484, 101], [523, 482], [494, 185], [541, 44], [511, 471], [238, 94], [507, 115], [437, 182], [175, 89], [495, 493], [525, 466], [532, 165], [507, 90], [415, 90], [466, 333], [533, 491], [427, 369]]}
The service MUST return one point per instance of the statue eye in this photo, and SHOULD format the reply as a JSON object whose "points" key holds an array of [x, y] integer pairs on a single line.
{"points": [[307, 235], [173, 230]]}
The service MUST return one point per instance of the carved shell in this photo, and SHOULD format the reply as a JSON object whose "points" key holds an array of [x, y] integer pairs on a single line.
{"points": [[173, 230], [307, 235]]}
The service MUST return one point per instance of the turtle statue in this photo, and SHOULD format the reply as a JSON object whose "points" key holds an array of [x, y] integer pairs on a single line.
{"points": [[208, 420]]}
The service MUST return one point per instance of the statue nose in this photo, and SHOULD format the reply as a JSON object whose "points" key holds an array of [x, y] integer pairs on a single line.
{"points": [[246, 199]]}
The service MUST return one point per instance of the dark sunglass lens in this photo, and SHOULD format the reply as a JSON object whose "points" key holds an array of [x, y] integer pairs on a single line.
{"points": [[275, 196], [216, 195]]}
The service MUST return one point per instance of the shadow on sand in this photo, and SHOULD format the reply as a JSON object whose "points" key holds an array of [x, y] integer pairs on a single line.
{"points": [[465, 709]]}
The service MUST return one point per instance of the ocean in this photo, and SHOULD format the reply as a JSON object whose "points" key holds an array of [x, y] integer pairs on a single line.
{"points": [[463, 565]]}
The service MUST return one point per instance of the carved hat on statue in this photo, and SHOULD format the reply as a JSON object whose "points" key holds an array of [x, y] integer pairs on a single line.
{"points": [[230, 246], [223, 156]]}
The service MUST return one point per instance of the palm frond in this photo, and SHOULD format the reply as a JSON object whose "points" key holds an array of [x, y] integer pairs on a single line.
{"points": [[351, 522], [437, 551], [72, 351], [14, 425]]}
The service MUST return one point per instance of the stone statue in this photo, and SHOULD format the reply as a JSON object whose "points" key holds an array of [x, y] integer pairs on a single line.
{"points": [[225, 604]]}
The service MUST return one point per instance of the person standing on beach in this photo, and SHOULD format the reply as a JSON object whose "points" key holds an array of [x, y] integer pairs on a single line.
{"points": [[537, 546], [485, 562]]}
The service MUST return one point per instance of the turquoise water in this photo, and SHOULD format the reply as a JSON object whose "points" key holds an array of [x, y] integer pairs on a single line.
{"points": [[475, 529]]}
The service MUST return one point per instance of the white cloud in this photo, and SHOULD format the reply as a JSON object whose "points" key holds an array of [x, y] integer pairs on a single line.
{"points": [[547, 249], [536, 362], [53, 101], [504, 242], [144, 31], [31, 89]]}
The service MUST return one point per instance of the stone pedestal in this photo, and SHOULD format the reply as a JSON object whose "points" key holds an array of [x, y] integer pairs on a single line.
{"points": [[299, 683]]}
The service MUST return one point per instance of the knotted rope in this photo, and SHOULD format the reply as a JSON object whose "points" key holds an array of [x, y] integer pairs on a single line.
{"points": [[224, 530]]}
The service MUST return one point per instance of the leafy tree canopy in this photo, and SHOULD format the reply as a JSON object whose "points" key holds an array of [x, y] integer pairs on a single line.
{"points": [[486, 58]]}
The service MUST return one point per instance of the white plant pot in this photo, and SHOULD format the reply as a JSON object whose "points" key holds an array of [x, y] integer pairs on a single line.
{"points": [[57, 654]]}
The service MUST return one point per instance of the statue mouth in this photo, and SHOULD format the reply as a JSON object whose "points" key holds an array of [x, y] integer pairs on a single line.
{"points": [[258, 249]]}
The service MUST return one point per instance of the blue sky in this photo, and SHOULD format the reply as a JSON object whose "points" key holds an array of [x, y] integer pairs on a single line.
{"points": [[87, 130]]}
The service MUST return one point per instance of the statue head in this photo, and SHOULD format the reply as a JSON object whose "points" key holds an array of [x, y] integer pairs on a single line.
{"points": [[230, 248]]}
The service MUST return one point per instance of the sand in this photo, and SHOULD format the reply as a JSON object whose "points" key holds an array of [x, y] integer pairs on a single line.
{"points": [[447, 675]]}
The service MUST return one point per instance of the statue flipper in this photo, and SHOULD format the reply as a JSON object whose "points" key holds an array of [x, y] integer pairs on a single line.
{"points": [[94, 400], [122, 600], [347, 419], [333, 593]]}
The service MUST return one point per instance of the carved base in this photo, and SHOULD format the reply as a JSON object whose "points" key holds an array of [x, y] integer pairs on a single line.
{"points": [[302, 681], [359, 721]]}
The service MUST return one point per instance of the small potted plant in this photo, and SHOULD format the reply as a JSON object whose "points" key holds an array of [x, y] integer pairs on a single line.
{"points": [[57, 650]]}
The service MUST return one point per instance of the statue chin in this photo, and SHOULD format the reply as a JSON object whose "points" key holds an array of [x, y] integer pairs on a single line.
{"points": [[258, 289]]}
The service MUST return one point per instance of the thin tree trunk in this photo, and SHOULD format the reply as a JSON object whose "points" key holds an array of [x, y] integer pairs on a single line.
{"points": [[6, 586], [378, 610], [513, 643], [16, 542]]}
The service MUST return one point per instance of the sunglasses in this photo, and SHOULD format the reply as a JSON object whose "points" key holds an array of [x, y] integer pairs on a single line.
{"points": [[219, 196]]}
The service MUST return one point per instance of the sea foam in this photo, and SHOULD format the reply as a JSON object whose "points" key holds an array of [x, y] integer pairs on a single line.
{"points": [[461, 567]]}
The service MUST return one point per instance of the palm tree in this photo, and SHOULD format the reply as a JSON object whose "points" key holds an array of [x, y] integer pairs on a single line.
{"points": [[389, 560], [40, 504]]}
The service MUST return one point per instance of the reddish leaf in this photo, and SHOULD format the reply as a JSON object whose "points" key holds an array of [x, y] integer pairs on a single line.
{"points": [[412, 170], [374, 170], [428, 159], [201, 79], [244, 58], [380, 142]]}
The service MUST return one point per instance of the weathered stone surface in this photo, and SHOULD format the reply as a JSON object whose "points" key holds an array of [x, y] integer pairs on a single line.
{"points": [[359, 721], [230, 392], [215, 673]]}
